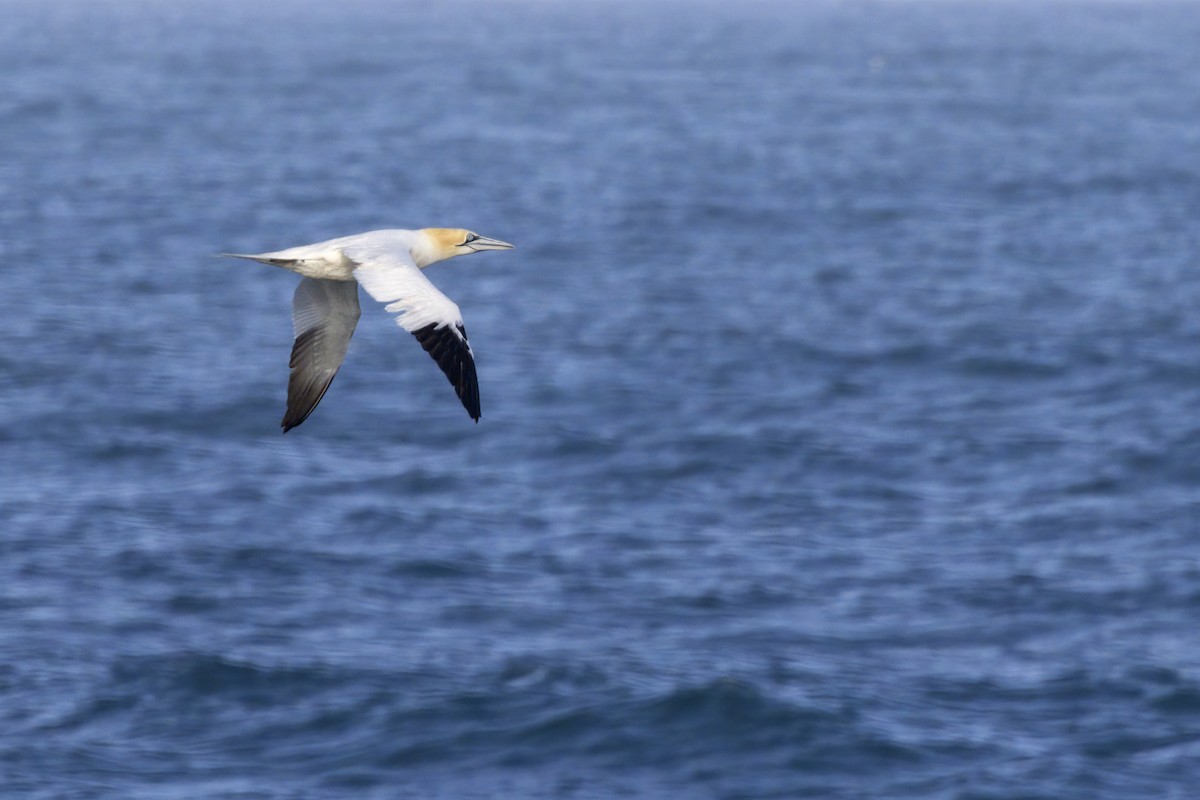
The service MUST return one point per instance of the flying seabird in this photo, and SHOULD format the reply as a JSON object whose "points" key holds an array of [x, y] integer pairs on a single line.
{"points": [[388, 264]]}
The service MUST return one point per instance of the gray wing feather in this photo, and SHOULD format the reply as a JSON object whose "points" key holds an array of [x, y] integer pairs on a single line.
{"points": [[324, 314]]}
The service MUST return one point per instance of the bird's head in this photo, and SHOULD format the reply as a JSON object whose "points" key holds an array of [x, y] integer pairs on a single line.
{"points": [[450, 242]]}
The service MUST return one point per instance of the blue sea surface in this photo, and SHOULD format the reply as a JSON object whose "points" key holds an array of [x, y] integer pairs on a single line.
{"points": [[840, 428]]}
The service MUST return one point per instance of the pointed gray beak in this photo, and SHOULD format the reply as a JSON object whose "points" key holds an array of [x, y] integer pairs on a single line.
{"points": [[484, 243]]}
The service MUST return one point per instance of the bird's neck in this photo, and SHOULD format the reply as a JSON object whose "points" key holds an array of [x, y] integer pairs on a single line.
{"points": [[430, 246]]}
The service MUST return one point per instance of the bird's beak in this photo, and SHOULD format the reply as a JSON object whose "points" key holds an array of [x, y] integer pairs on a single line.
{"points": [[484, 243]]}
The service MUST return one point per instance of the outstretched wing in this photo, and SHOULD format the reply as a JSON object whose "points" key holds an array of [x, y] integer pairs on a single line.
{"points": [[424, 312], [324, 314]]}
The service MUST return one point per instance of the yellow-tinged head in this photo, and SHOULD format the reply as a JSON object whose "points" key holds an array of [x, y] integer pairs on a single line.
{"points": [[446, 243]]}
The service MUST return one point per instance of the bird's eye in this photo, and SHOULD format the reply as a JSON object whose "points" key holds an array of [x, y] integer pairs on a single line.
{"points": [[470, 238]]}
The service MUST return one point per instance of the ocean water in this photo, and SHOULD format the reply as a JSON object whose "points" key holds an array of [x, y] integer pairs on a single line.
{"points": [[839, 438]]}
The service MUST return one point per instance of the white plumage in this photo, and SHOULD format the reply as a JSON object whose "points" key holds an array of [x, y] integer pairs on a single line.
{"points": [[388, 265]]}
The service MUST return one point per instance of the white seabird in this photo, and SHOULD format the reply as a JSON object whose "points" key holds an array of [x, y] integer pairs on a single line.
{"points": [[388, 264]]}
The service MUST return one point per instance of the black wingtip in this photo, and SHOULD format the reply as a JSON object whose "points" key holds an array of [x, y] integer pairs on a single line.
{"points": [[294, 416], [448, 347]]}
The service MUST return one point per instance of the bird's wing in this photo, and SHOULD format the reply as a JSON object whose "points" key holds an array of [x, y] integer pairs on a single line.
{"points": [[424, 312], [324, 314]]}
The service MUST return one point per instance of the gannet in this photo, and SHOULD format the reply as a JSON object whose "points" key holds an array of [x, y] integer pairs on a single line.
{"points": [[388, 265]]}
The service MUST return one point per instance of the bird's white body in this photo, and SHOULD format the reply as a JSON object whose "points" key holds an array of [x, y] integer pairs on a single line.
{"points": [[388, 264], [327, 261]]}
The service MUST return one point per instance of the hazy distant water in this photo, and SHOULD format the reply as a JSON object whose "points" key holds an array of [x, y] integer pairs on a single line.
{"points": [[840, 426]]}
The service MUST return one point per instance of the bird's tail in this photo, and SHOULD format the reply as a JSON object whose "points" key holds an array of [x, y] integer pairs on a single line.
{"points": [[278, 262]]}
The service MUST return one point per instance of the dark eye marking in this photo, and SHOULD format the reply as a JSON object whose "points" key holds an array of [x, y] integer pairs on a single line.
{"points": [[470, 238]]}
